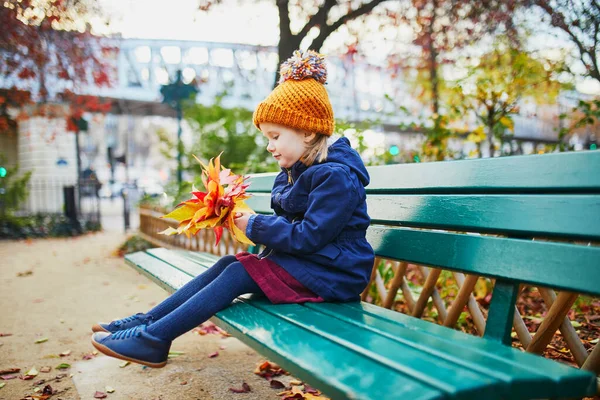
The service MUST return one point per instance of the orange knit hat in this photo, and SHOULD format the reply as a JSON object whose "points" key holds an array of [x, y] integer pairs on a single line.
{"points": [[300, 100]]}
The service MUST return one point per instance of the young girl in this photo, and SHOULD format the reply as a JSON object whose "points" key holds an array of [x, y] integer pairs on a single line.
{"points": [[315, 246]]}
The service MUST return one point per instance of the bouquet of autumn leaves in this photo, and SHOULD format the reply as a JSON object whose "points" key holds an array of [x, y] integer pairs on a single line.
{"points": [[216, 208]]}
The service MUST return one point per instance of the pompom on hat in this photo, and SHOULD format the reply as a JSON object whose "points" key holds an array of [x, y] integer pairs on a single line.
{"points": [[300, 100]]}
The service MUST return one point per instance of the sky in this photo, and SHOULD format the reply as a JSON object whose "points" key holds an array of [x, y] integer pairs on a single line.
{"points": [[181, 20]]}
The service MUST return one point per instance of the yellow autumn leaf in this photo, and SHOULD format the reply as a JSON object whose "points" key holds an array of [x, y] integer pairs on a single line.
{"points": [[182, 213]]}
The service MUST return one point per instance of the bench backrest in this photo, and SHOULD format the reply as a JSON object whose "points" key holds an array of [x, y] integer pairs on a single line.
{"points": [[522, 219]]}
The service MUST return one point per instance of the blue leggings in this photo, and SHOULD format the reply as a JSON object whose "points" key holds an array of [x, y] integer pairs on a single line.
{"points": [[201, 298]]}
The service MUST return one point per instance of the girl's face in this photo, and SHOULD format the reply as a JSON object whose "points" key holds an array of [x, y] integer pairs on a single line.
{"points": [[286, 144]]}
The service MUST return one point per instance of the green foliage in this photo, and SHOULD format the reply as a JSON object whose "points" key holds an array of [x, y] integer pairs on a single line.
{"points": [[228, 131], [584, 114], [44, 226], [13, 188], [495, 86], [133, 244]]}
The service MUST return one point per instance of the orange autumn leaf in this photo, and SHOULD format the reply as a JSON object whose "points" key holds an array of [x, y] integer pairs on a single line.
{"points": [[215, 208]]}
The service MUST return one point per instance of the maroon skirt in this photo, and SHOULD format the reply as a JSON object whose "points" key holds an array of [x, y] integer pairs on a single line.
{"points": [[276, 283]]}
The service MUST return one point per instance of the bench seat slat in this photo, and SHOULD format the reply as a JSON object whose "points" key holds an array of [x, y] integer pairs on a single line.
{"points": [[524, 372], [158, 271], [573, 216], [533, 262], [577, 379]]}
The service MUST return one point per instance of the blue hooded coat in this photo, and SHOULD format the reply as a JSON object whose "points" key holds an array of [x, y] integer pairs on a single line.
{"points": [[318, 231]]}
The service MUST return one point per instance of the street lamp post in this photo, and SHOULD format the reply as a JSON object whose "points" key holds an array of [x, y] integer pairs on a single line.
{"points": [[174, 94]]}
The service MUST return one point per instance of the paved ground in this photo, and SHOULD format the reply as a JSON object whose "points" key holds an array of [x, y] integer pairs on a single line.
{"points": [[57, 288]]}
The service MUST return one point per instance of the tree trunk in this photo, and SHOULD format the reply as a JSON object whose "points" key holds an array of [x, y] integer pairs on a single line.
{"points": [[286, 47], [433, 75], [490, 124]]}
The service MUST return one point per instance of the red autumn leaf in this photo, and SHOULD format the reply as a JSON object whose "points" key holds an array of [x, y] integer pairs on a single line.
{"points": [[311, 390], [5, 334], [9, 371], [213, 355], [245, 388], [8, 377], [100, 395]]}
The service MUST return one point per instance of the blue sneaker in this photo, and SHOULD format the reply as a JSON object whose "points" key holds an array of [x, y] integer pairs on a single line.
{"points": [[122, 324], [135, 345]]}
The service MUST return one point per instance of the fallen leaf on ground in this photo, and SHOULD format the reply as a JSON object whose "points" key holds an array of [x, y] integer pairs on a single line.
{"points": [[26, 377], [32, 372], [8, 377], [51, 356], [48, 390], [222, 347], [9, 371], [45, 369], [42, 340], [109, 389], [245, 388], [268, 369], [65, 353], [40, 382], [38, 300], [213, 355], [183, 383], [25, 273], [100, 395], [124, 364], [309, 389], [208, 328], [5, 334], [63, 366], [2, 385], [275, 384], [88, 356], [295, 382], [173, 354]]}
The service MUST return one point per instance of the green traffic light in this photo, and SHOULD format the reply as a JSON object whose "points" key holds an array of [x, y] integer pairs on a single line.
{"points": [[394, 150], [3, 172], [593, 146], [417, 158]]}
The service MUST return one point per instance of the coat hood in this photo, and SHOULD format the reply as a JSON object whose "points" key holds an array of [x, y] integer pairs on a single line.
{"points": [[342, 153]]}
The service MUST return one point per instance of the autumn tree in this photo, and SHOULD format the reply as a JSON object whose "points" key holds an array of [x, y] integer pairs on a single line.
{"points": [[579, 20], [46, 48], [494, 88]]}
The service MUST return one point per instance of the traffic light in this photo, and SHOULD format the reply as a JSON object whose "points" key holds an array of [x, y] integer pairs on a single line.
{"points": [[394, 150], [592, 143], [416, 158], [3, 172]]}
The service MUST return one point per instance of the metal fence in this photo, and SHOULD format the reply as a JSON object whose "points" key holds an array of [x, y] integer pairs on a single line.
{"points": [[58, 196]]}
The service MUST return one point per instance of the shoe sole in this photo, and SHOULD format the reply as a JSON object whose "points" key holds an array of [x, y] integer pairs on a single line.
{"points": [[103, 349], [99, 328]]}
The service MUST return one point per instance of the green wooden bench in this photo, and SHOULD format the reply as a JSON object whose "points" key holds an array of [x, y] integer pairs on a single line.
{"points": [[479, 217]]}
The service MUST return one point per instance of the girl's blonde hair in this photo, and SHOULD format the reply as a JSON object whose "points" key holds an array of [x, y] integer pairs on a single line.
{"points": [[316, 150]]}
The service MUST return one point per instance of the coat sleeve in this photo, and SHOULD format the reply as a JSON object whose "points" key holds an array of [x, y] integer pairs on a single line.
{"points": [[331, 201]]}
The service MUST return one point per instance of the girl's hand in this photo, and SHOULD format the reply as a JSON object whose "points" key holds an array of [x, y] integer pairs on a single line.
{"points": [[241, 220]]}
